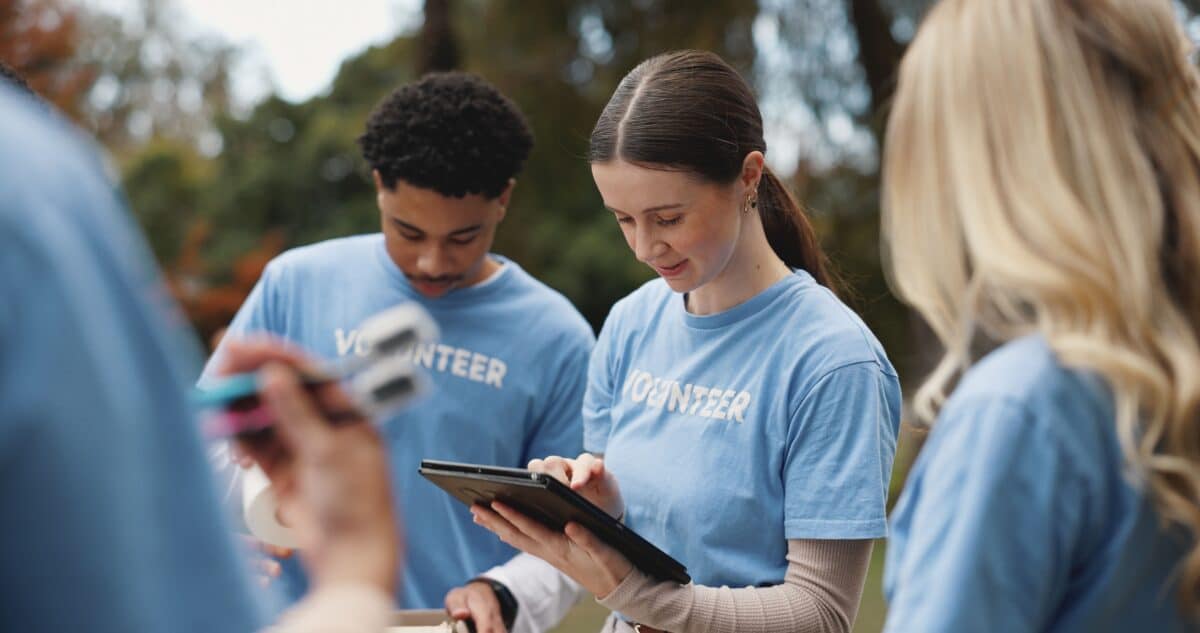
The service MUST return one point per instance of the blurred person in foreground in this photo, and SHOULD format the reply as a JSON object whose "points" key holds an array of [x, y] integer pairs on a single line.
{"points": [[509, 370], [1042, 212], [112, 522]]}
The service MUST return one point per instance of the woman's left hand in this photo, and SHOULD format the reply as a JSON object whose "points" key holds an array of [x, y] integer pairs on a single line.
{"points": [[575, 551]]}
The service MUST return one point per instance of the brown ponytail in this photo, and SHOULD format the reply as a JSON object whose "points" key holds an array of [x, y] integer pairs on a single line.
{"points": [[789, 231], [691, 111]]}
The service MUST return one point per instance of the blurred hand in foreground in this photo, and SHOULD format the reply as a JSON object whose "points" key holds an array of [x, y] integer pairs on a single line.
{"points": [[331, 480]]}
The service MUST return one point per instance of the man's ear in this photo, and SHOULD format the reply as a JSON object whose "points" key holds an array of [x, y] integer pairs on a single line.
{"points": [[506, 196], [378, 181]]}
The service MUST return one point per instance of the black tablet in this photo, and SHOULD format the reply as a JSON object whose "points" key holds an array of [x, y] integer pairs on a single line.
{"points": [[547, 500]]}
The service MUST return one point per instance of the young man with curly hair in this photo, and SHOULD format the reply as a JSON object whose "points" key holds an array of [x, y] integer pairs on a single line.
{"points": [[510, 367]]}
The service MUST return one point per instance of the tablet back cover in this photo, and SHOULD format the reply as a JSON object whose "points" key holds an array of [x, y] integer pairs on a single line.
{"points": [[552, 504]]}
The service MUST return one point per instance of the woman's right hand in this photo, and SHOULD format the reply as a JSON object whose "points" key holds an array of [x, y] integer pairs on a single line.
{"points": [[586, 475]]}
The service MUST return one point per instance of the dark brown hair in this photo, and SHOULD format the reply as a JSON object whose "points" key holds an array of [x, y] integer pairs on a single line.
{"points": [[690, 111]]}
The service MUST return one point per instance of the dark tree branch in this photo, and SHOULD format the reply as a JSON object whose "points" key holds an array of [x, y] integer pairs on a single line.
{"points": [[879, 52], [439, 47], [880, 55]]}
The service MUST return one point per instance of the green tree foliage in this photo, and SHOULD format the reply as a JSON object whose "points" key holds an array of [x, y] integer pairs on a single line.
{"points": [[296, 167], [288, 174], [152, 80], [165, 182], [293, 168]]}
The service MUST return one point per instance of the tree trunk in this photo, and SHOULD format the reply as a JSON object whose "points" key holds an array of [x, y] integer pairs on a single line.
{"points": [[880, 55], [439, 47], [879, 52]]}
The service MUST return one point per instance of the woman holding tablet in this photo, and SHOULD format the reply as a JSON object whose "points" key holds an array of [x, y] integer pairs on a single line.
{"points": [[1042, 192], [749, 416]]}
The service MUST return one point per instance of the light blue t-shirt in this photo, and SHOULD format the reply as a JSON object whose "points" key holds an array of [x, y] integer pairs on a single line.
{"points": [[508, 377], [111, 522], [1017, 516], [731, 433]]}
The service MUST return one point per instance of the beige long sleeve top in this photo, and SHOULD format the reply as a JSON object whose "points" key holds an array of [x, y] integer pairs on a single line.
{"points": [[820, 594], [344, 608]]}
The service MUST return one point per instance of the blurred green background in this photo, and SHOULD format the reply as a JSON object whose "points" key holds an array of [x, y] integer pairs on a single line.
{"points": [[220, 185]]}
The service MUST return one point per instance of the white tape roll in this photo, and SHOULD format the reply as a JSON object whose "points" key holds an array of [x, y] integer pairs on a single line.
{"points": [[259, 508]]}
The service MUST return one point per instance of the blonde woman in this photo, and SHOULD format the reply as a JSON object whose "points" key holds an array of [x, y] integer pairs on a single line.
{"points": [[1042, 199]]}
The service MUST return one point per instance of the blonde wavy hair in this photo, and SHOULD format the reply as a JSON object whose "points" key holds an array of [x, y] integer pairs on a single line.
{"points": [[1042, 174]]}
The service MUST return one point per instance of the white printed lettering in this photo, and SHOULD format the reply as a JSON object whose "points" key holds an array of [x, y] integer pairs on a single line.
{"points": [[713, 395], [679, 397], [461, 358], [423, 355], [463, 363], [719, 412], [658, 395], [444, 352], [715, 403], [344, 340], [737, 410], [478, 366], [495, 373], [699, 393], [641, 387]]}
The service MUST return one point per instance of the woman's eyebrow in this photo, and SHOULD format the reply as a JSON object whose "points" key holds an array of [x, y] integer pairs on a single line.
{"points": [[660, 207]]}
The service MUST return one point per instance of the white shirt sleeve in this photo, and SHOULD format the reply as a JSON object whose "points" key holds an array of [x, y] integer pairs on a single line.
{"points": [[544, 594]]}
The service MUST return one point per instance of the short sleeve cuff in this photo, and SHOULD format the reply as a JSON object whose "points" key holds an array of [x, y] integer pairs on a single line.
{"points": [[595, 440], [843, 529]]}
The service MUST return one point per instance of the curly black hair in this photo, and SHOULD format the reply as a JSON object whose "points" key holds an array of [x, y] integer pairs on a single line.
{"points": [[453, 133], [8, 74]]}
